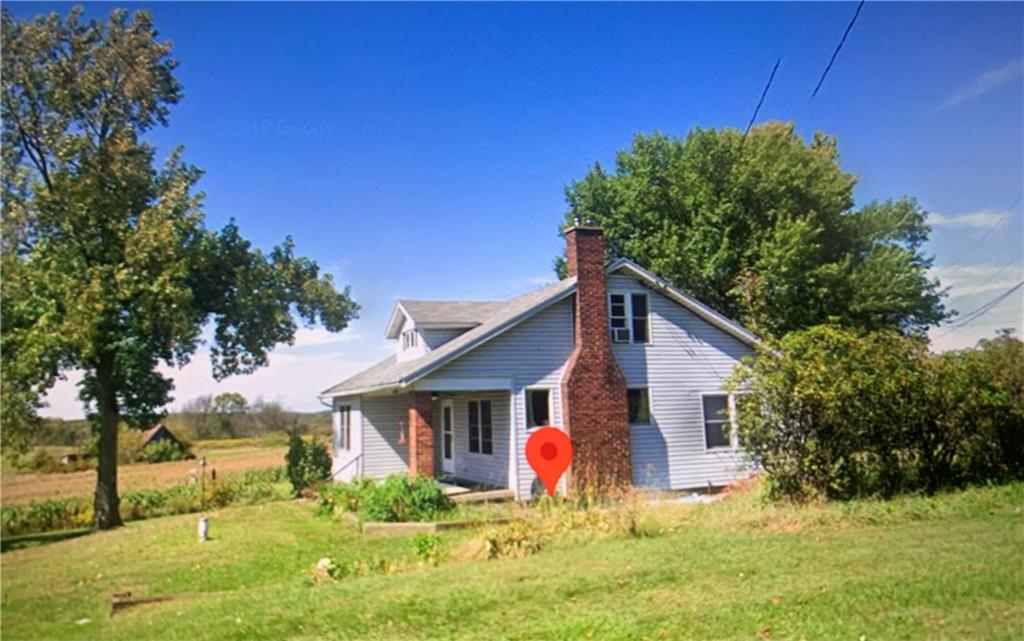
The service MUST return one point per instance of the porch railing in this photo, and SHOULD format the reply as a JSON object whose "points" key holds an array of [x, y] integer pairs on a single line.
{"points": [[355, 459]]}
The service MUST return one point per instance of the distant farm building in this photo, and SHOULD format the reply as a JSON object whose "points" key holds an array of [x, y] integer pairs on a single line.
{"points": [[158, 434]]}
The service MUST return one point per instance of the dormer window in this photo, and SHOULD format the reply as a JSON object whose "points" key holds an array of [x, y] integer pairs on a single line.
{"points": [[409, 339], [628, 317]]}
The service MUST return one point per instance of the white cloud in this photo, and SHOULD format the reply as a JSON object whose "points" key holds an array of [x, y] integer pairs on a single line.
{"points": [[967, 280], [984, 83], [971, 286], [982, 219], [294, 375]]}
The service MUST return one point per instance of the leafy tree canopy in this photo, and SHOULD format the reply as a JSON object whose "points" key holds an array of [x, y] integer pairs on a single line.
{"points": [[108, 267], [763, 229]]}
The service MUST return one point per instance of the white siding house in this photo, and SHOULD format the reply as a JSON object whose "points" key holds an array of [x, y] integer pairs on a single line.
{"points": [[674, 353]]}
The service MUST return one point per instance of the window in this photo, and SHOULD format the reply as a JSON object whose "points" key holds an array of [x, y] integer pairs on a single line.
{"points": [[480, 431], [617, 318], [638, 308], [628, 318], [344, 427], [717, 419], [409, 339], [639, 406], [538, 407]]}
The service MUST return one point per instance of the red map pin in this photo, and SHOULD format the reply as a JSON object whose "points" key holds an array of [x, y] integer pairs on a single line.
{"points": [[549, 452]]}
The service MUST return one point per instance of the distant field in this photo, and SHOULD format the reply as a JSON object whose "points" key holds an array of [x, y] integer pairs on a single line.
{"points": [[19, 489]]}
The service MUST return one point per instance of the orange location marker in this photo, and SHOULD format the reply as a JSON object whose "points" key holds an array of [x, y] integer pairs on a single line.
{"points": [[549, 452]]}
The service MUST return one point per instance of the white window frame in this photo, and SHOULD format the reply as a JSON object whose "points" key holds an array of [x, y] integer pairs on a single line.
{"points": [[409, 339], [650, 405], [344, 427], [627, 296], [730, 403], [480, 427], [529, 406]]}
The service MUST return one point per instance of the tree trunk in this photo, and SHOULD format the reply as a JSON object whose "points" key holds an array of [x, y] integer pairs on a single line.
{"points": [[106, 503]]}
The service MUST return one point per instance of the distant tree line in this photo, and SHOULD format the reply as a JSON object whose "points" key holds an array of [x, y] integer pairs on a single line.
{"points": [[223, 416]]}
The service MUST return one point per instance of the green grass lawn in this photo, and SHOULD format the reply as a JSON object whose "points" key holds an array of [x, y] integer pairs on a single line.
{"points": [[950, 567]]}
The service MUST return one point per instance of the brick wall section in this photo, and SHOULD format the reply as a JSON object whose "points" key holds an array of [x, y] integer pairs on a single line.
{"points": [[421, 434], [593, 387]]}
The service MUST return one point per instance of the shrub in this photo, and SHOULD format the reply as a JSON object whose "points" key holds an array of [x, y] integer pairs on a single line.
{"points": [[835, 413], [36, 460], [400, 498], [163, 451], [427, 548], [344, 496], [308, 463]]}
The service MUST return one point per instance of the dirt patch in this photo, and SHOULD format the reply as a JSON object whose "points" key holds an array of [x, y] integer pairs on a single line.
{"points": [[19, 489]]}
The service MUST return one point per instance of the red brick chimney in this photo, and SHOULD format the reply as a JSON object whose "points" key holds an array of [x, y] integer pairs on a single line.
{"points": [[594, 404]]}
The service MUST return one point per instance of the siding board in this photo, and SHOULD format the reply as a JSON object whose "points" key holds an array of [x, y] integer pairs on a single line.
{"points": [[686, 357]]}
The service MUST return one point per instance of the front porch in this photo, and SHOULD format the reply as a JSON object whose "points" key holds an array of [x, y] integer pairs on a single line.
{"points": [[463, 438]]}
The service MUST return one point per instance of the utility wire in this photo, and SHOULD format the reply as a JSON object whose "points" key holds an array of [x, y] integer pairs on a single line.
{"points": [[981, 311], [760, 102], [988, 232], [835, 54]]}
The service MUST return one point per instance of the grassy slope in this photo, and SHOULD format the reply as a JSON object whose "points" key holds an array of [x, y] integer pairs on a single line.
{"points": [[945, 568]]}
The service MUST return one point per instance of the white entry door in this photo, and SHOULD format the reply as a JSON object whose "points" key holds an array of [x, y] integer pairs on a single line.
{"points": [[448, 437]]}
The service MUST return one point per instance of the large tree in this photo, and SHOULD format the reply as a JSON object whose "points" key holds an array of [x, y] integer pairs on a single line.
{"points": [[764, 229], [107, 265]]}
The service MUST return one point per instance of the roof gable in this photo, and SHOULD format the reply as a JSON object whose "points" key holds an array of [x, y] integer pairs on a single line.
{"points": [[392, 373], [698, 308]]}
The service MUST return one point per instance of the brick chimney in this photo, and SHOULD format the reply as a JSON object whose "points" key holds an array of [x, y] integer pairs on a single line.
{"points": [[594, 403]]}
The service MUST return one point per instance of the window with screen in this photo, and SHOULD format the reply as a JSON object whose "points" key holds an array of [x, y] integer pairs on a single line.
{"points": [[716, 420]]}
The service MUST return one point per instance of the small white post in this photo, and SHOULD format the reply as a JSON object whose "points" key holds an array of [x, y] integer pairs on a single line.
{"points": [[204, 528]]}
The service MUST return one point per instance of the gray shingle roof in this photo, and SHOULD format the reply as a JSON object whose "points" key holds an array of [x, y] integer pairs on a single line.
{"points": [[500, 316], [426, 312]]}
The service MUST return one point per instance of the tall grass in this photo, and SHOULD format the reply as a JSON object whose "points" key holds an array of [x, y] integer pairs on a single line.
{"points": [[246, 488]]}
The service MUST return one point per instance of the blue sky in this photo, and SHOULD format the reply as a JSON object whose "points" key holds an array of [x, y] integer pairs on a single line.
{"points": [[421, 150]]}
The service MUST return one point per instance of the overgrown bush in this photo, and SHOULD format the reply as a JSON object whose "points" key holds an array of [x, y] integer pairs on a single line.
{"points": [[308, 463], [834, 413], [347, 497], [397, 499], [401, 498]]}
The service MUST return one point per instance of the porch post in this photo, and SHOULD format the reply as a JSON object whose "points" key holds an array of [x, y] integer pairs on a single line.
{"points": [[421, 434]]}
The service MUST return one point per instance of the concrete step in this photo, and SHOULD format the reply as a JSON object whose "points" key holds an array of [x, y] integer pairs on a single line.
{"points": [[485, 496]]}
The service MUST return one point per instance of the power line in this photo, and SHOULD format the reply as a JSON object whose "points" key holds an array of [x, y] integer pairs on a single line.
{"points": [[835, 54], [969, 318], [987, 233], [760, 102]]}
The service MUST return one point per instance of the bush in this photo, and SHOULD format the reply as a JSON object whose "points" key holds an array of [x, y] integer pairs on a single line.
{"points": [[308, 463], [834, 413], [397, 499], [427, 548], [163, 451], [400, 498], [343, 496]]}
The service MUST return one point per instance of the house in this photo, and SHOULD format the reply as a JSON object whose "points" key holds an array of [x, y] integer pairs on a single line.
{"points": [[156, 434], [631, 367]]}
